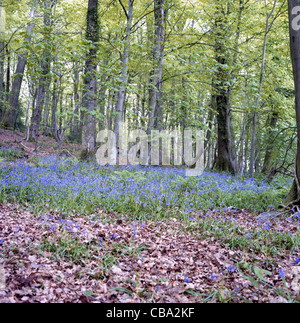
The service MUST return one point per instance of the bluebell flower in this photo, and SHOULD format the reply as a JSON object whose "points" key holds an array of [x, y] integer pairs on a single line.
{"points": [[231, 269], [296, 262], [281, 274]]}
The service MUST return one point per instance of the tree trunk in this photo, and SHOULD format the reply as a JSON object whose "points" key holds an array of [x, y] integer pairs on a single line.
{"points": [[261, 76], [221, 87], [54, 104], [1, 79], [46, 113], [10, 113], [294, 195], [45, 71], [124, 62], [8, 120], [7, 88], [155, 93], [268, 160], [90, 82], [224, 160]]}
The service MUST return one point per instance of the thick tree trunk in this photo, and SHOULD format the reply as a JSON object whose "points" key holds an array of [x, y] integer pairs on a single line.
{"points": [[294, 11], [268, 160], [1, 79], [90, 82], [221, 87], [155, 93], [8, 120], [224, 160]]}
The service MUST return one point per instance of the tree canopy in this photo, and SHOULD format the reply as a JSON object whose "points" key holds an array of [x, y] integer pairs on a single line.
{"points": [[222, 67]]}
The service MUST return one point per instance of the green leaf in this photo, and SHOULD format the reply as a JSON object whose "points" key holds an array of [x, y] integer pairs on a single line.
{"points": [[259, 272], [252, 280], [89, 293]]}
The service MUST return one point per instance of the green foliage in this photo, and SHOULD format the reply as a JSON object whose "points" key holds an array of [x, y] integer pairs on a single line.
{"points": [[190, 66]]}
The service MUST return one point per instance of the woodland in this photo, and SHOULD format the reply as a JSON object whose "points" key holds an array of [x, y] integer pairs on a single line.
{"points": [[72, 230]]}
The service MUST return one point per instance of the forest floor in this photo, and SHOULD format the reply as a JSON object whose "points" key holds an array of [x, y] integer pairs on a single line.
{"points": [[76, 233], [45, 146]]}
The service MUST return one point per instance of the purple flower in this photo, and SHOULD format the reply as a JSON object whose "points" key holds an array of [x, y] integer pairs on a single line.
{"points": [[281, 273], [186, 280], [52, 227], [231, 269], [296, 262], [212, 276]]}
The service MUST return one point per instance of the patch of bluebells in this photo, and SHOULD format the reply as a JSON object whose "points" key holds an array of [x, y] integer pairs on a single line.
{"points": [[67, 225], [7, 152], [131, 188], [267, 226]]}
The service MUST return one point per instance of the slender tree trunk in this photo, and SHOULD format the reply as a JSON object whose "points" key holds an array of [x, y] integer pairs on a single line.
{"points": [[124, 61], [207, 143], [45, 71], [7, 88], [54, 104], [262, 70], [46, 124], [77, 129], [8, 120]]}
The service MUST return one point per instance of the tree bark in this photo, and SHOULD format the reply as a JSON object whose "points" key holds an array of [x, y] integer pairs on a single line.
{"points": [[261, 76], [221, 87], [1, 79], [54, 104], [90, 82], [268, 160], [9, 117], [155, 93], [45, 71], [124, 61], [294, 11], [7, 88]]}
